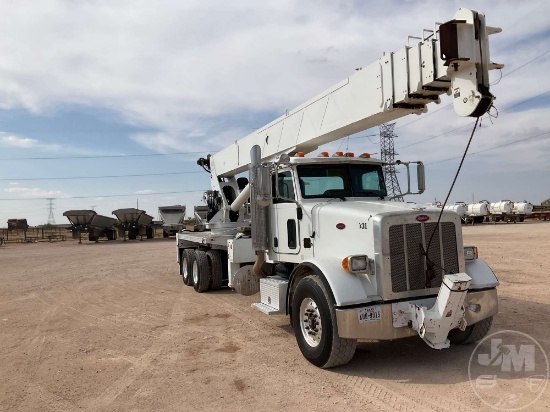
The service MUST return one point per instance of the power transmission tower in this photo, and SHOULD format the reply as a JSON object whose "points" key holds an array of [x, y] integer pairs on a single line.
{"points": [[387, 151], [51, 218]]}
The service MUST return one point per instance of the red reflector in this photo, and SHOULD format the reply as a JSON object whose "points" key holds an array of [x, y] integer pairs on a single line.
{"points": [[423, 218], [340, 226]]}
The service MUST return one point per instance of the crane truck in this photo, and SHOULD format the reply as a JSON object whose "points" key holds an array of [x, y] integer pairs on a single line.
{"points": [[318, 235]]}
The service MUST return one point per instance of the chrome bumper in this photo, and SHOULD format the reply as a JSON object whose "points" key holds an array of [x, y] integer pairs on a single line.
{"points": [[354, 325]]}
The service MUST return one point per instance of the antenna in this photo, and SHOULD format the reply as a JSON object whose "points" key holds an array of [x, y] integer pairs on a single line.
{"points": [[93, 207], [51, 218], [387, 151]]}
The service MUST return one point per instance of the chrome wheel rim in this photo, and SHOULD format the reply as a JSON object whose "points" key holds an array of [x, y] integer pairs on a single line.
{"points": [[184, 272], [195, 272], [310, 322]]}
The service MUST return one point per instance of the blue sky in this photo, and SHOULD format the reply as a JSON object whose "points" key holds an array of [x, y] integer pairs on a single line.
{"points": [[102, 88]]}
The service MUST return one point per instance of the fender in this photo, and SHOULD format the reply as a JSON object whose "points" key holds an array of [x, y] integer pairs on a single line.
{"points": [[344, 288], [482, 275]]}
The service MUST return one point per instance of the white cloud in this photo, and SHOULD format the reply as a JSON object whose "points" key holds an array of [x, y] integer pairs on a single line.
{"points": [[20, 142], [172, 65], [34, 192], [144, 192], [13, 183]]}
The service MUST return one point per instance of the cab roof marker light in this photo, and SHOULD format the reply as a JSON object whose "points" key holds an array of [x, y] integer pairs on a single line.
{"points": [[350, 154], [338, 154], [299, 154], [365, 155], [323, 154]]}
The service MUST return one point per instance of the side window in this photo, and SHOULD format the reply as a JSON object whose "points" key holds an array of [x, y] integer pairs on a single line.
{"points": [[285, 185]]}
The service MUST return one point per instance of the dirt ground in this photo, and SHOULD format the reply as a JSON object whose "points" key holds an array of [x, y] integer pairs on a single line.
{"points": [[110, 326]]}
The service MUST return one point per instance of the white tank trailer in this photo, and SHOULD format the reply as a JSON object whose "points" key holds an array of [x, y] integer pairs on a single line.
{"points": [[522, 208], [476, 212], [460, 208], [134, 221], [504, 207], [172, 219]]}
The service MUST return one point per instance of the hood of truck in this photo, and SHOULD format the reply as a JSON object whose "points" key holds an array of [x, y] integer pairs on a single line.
{"points": [[387, 232]]}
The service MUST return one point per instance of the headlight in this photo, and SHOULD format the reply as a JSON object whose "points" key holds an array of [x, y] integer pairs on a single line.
{"points": [[470, 252], [356, 264]]}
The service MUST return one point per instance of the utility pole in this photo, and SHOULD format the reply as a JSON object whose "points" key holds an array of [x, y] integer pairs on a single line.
{"points": [[387, 152]]}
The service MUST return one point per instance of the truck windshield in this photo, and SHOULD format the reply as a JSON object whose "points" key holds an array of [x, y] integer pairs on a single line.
{"points": [[341, 180]]}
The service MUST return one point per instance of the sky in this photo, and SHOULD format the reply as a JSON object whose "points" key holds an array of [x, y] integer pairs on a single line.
{"points": [[108, 104]]}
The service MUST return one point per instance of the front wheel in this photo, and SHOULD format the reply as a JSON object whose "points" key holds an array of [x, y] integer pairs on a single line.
{"points": [[314, 324], [472, 334]]}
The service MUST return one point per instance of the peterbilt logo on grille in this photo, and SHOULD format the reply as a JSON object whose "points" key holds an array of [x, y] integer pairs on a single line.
{"points": [[423, 218]]}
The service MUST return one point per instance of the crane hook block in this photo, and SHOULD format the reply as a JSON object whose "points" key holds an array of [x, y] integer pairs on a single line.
{"points": [[464, 48]]}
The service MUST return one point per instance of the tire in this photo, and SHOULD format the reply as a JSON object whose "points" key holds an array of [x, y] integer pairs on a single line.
{"points": [[185, 266], [164, 234], [521, 218], [314, 324], [473, 333], [216, 269], [132, 235], [92, 238], [201, 271], [149, 233]]}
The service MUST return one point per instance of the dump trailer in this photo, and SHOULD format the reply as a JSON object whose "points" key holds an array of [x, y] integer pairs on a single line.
{"points": [[173, 218], [88, 221], [134, 222], [17, 224], [318, 235]]}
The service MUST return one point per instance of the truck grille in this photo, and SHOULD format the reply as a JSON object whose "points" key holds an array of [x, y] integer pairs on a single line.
{"points": [[407, 261]]}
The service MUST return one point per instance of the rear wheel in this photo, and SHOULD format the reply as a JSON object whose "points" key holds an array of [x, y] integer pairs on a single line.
{"points": [[314, 324], [216, 269], [472, 334], [201, 271], [185, 266]]}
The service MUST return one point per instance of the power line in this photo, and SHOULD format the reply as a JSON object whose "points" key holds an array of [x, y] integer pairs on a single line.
{"points": [[100, 156], [100, 177], [469, 124], [493, 148], [108, 196]]}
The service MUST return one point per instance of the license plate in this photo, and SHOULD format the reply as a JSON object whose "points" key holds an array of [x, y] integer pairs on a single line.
{"points": [[370, 314]]}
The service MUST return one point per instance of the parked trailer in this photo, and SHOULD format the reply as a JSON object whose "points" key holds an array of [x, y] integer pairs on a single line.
{"points": [[134, 221], [88, 221], [460, 208], [540, 212], [476, 212], [17, 224], [172, 219], [500, 211]]}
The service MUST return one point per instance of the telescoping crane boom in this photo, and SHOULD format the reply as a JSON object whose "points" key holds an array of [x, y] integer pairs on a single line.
{"points": [[331, 250]]}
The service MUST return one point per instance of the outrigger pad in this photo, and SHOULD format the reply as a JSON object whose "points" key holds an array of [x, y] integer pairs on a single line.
{"points": [[246, 282]]}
